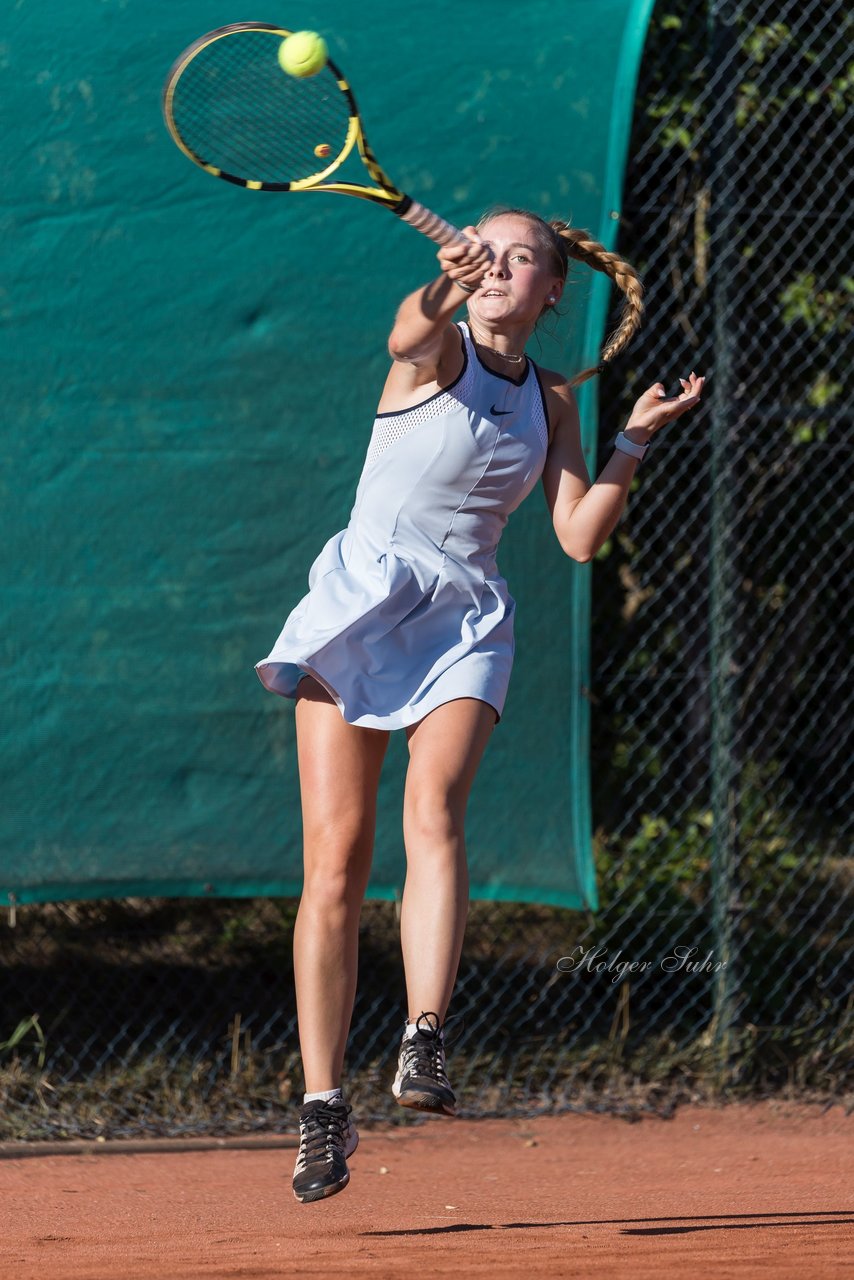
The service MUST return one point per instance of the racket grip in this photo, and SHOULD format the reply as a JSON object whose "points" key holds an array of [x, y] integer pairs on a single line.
{"points": [[428, 223]]}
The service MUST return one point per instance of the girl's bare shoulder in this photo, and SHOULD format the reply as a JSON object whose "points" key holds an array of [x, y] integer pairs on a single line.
{"points": [[560, 399], [409, 384], [557, 383]]}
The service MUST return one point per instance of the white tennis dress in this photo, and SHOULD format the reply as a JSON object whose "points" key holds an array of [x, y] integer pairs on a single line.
{"points": [[406, 609]]}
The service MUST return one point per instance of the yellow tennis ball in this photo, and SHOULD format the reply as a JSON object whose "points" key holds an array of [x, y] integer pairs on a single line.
{"points": [[303, 54], [322, 150]]}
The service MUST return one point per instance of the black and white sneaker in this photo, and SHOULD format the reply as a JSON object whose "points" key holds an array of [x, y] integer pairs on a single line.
{"points": [[327, 1137], [421, 1081]]}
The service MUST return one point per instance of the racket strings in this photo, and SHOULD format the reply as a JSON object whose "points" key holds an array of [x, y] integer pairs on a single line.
{"points": [[236, 109]]}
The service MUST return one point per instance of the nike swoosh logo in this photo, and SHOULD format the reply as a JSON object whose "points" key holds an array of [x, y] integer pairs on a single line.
{"points": [[500, 413]]}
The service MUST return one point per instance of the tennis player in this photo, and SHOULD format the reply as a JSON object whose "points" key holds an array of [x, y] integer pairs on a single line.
{"points": [[408, 625]]}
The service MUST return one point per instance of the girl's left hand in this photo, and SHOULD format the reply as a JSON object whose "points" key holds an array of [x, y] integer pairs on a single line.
{"points": [[652, 411]]}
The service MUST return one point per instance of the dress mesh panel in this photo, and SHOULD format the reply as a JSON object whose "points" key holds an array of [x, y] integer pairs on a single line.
{"points": [[540, 421], [389, 429]]}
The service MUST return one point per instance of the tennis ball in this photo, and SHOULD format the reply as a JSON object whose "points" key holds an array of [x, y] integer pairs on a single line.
{"points": [[322, 150], [303, 54]]}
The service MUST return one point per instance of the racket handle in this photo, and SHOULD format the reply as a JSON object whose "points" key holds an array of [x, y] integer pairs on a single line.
{"points": [[428, 223]]}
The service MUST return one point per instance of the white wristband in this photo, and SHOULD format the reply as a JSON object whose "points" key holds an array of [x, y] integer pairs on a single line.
{"points": [[628, 446]]}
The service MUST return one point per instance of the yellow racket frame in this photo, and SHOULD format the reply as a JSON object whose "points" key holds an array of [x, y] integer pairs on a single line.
{"points": [[384, 192]]}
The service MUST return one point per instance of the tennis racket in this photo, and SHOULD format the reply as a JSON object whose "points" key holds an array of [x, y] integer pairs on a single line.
{"points": [[231, 108]]}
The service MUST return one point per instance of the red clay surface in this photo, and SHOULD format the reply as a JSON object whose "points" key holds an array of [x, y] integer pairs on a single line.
{"points": [[765, 1190]]}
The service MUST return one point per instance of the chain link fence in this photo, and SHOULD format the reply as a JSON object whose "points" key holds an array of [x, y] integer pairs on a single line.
{"points": [[721, 959]]}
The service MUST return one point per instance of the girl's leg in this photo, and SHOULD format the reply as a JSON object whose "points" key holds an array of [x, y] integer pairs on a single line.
{"points": [[339, 768], [445, 749]]}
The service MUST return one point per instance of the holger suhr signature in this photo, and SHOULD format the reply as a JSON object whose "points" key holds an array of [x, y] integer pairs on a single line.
{"points": [[679, 960]]}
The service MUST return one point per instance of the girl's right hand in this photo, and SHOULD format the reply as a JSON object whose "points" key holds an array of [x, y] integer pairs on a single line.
{"points": [[466, 260]]}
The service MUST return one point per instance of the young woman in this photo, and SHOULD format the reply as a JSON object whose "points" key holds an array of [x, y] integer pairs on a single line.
{"points": [[408, 625]]}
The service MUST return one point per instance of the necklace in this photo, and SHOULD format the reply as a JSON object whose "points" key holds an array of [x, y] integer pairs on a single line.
{"points": [[502, 355]]}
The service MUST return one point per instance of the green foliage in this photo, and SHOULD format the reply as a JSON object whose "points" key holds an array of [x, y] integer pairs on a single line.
{"points": [[738, 130], [19, 1035], [823, 391], [657, 852], [822, 394], [676, 851], [824, 311], [840, 92], [681, 113], [760, 41]]}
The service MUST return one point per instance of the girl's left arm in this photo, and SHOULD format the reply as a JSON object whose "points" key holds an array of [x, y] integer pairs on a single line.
{"points": [[584, 514]]}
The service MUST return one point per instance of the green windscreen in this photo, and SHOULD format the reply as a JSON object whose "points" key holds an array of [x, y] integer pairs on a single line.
{"points": [[190, 373]]}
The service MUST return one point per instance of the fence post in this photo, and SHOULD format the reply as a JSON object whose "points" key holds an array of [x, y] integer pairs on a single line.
{"points": [[725, 783]]}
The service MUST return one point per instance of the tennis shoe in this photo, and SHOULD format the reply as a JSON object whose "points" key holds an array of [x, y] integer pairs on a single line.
{"points": [[421, 1082], [327, 1136]]}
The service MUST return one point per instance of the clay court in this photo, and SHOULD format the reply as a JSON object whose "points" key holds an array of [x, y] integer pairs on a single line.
{"points": [[761, 1190]]}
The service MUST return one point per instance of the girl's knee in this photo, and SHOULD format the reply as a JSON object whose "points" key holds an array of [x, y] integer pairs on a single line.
{"points": [[336, 860], [330, 885], [433, 818], [337, 834]]}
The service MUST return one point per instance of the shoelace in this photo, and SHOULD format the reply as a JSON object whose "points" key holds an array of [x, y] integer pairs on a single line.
{"points": [[322, 1130], [424, 1053]]}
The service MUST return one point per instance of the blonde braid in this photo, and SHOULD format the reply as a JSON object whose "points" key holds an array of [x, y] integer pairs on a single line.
{"points": [[581, 246]]}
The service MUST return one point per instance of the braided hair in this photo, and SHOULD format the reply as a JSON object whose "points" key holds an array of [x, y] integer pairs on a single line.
{"points": [[564, 242]]}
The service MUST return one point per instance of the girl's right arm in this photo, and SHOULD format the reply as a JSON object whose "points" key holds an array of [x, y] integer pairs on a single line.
{"points": [[423, 320]]}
